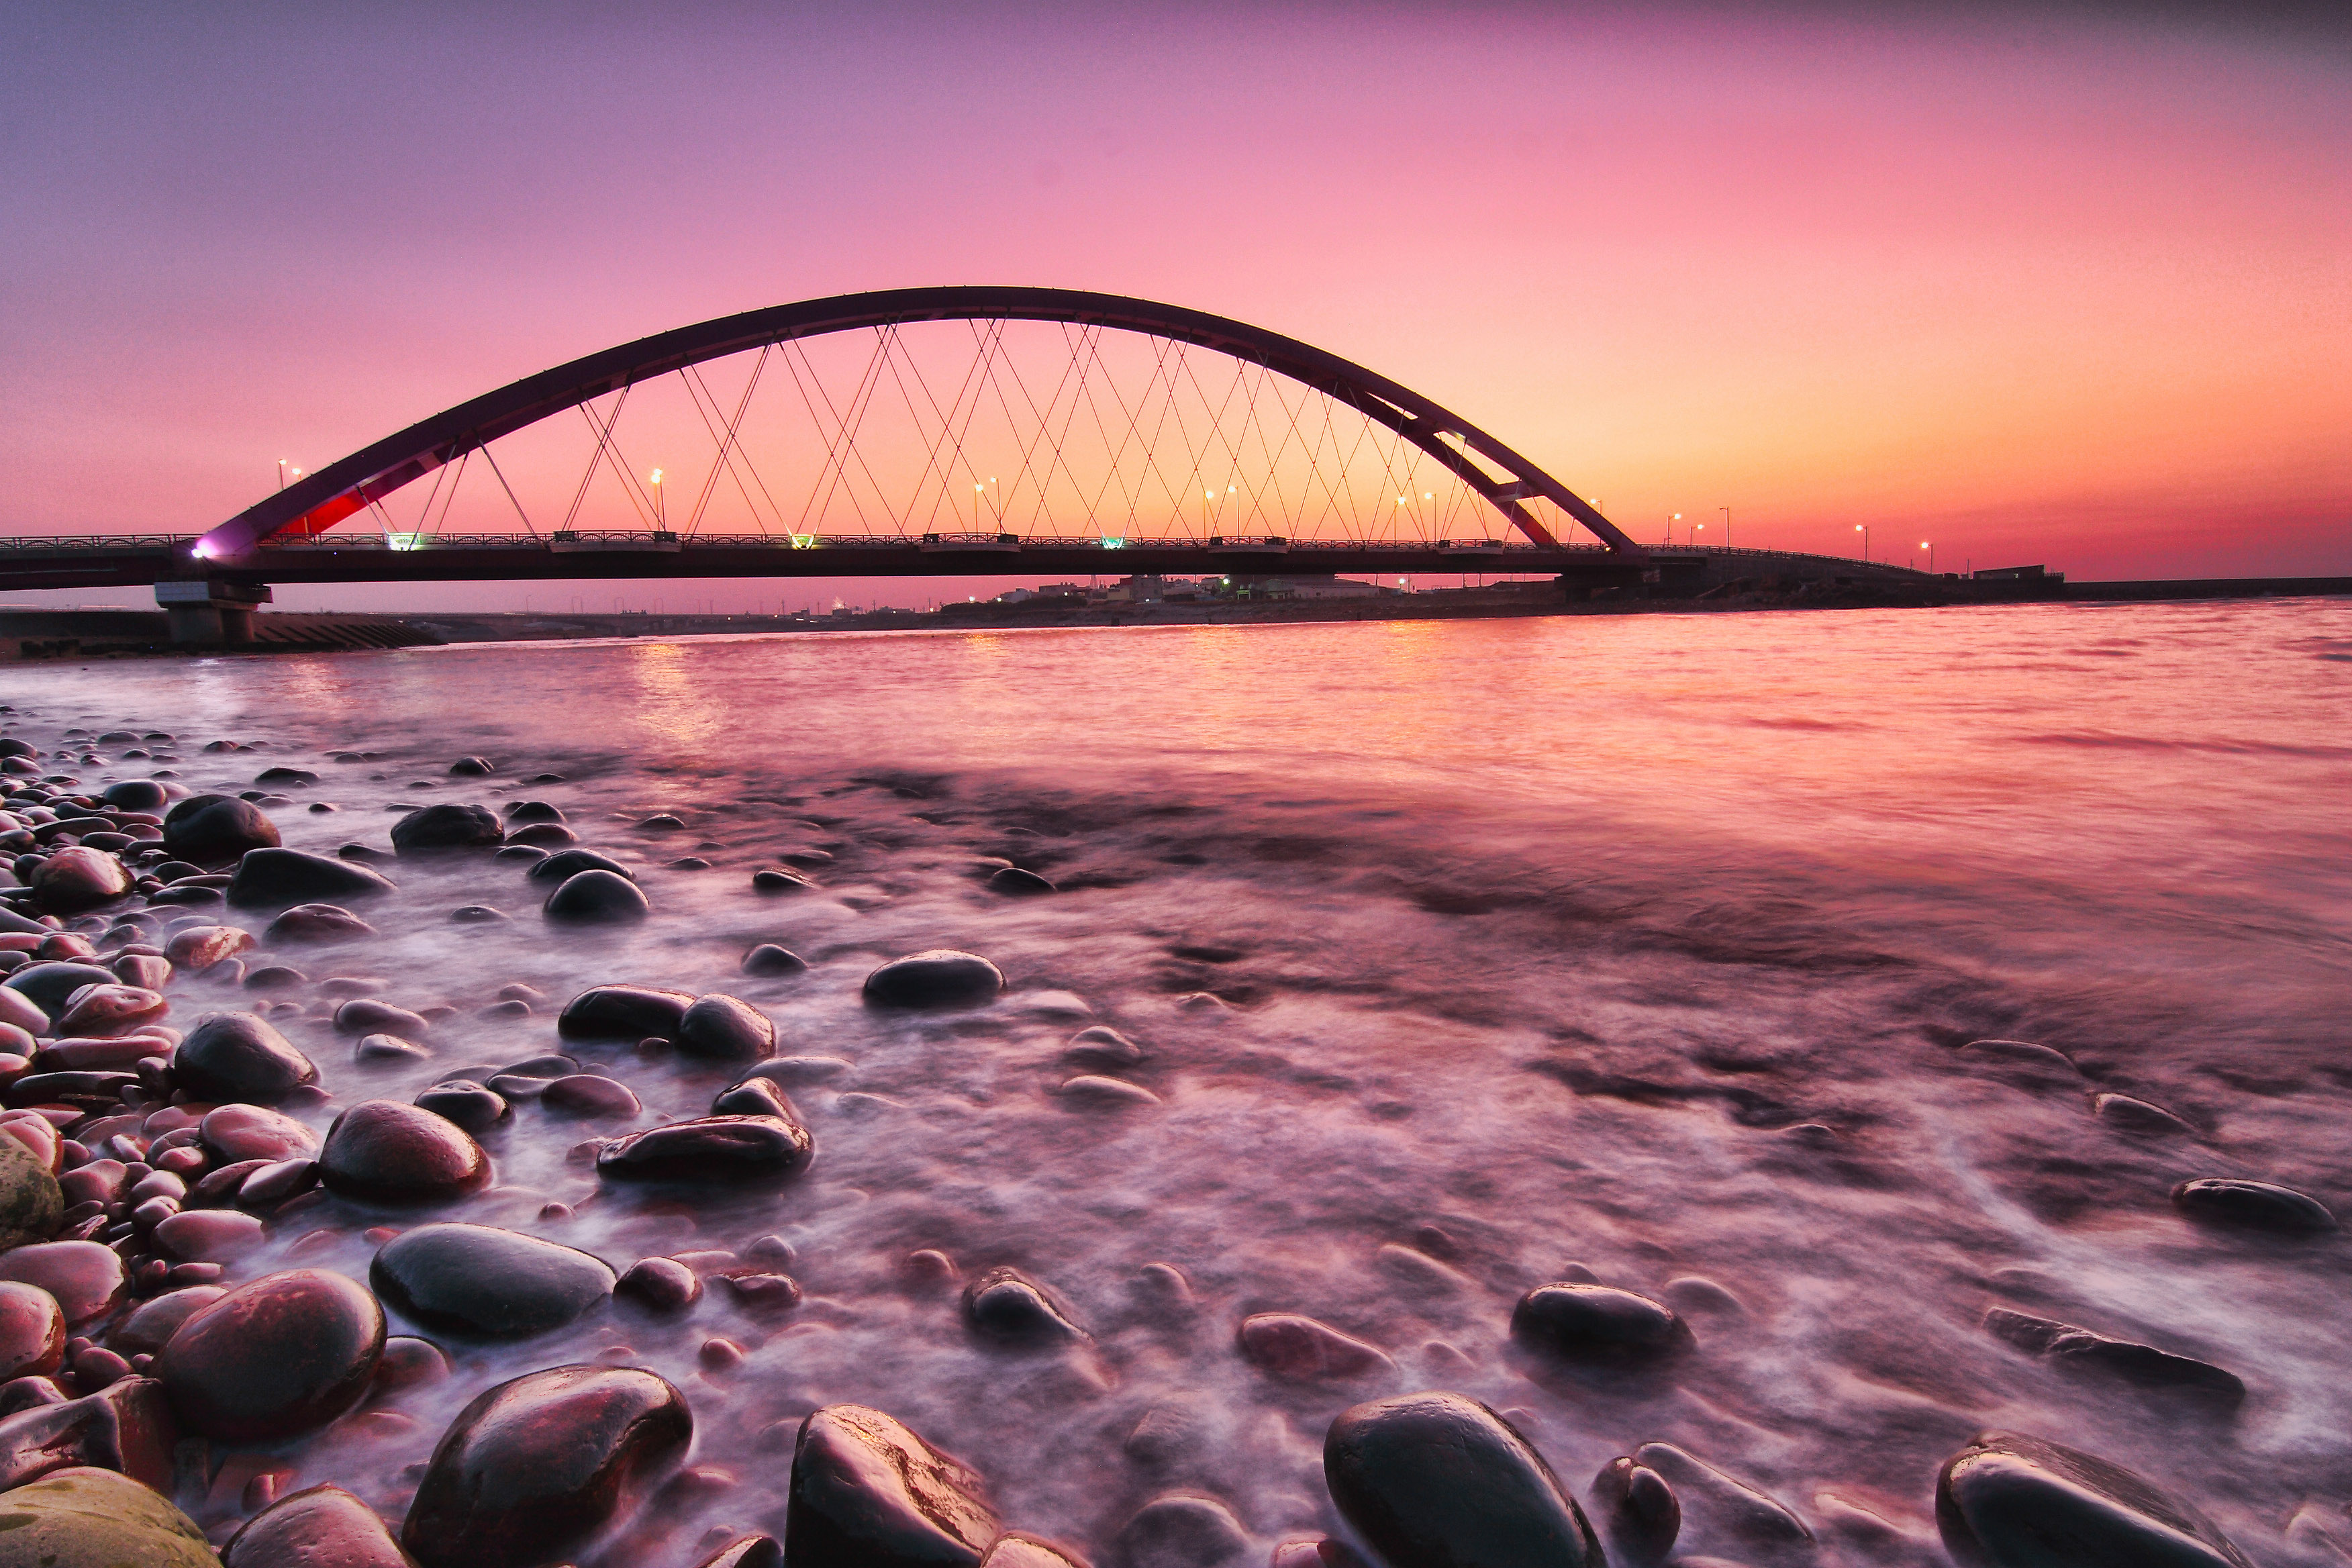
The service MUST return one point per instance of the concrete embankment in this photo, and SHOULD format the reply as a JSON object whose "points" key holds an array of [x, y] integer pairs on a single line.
{"points": [[111, 634]]}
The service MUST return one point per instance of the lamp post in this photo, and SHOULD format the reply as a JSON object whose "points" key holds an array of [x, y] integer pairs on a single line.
{"points": [[1672, 518], [1696, 528], [1930, 549], [1727, 525], [661, 507], [1864, 530]]}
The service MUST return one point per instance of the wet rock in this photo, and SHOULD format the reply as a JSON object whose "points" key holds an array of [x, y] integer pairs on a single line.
{"points": [[46, 985], [590, 1094], [545, 834], [802, 1070], [200, 948], [410, 1363], [31, 1206], [1097, 1092], [2138, 1117], [764, 1292], [317, 922], [1441, 1481], [85, 1518], [2252, 1205], [1638, 1511], [478, 914], [2080, 1348], [238, 1056], [284, 1354], [27, 1394], [659, 1284], [1102, 1046], [536, 1466], [136, 795], [774, 881], [87, 1092], [565, 864], [1596, 1321], [755, 1097], [597, 897], [150, 1324], [32, 1331], [255, 1132], [442, 830], [386, 1152], [488, 1283], [472, 768], [85, 1279], [322, 1527], [106, 1011], [1007, 1306], [1289, 1346], [126, 1426], [867, 1492], [208, 1236], [724, 1030], [277, 1182], [210, 828], [750, 1552], [468, 1104], [1014, 882], [271, 878], [768, 960], [2012, 1501], [622, 1013], [710, 1149], [1725, 1503], [534, 811], [380, 1050], [941, 977], [77, 878]]}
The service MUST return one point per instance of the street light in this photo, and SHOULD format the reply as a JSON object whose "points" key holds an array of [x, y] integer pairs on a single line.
{"points": [[1727, 525], [1672, 520], [1864, 530], [661, 512], [285, 473]]}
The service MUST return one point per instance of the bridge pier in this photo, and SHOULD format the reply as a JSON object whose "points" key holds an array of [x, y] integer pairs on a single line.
{"points": [[203, 613]]}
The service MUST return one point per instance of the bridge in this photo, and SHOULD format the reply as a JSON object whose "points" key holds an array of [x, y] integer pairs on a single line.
{"points": [[951, 431]]}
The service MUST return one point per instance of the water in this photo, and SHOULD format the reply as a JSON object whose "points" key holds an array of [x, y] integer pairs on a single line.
{"points": [[1643, 944]]}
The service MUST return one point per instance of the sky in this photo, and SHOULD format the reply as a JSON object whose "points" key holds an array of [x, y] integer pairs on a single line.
{"points": [[2037, 284]]}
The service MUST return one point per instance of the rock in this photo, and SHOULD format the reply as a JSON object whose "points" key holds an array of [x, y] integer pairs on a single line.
{"points": [[107, 1011], [410, 1363], [659, 1284], [1182, 1530], [2125, 1114], [125, 1426], [710, 1149], [597, 897], [465, 1102], [136, 795], [590, 1094], [210, 828], [238, 1056], [2252, 1205], [622, 1013], [255, 1132], [478, 914], [83, 1517], [755, 1097], [47, 985], [768, 960], [150, 1324], [381, 1050], [536, 1466], [277, 1182], [534, 811], [440, 830], [1014, 882], [2077, 1348], [271, 878], [772, 880], [77, 878], [366, 1016], [1596, 1321], [321, 1527], [1638, 1511], [472, 768], [1288, 1345], [750, 1552], [87, 1091], [1438, 1480], [1726, 1504], [1101, 1047], [762, 1293], [284, 1354], [31, 1206], [200, 948], [317, 922], [867, 1492], [941, 977], [724, 1030], [32, 1331], [208, 1236], [2025, 1058], [1105, 1093], [565, 864], [85, 1279], [488, 1283], [386, 1152], [1006, 1305], [2011, 1501]]}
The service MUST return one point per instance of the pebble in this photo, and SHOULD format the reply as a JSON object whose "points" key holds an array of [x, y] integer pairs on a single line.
{"points": [[1441, 1481], [2008, 1500], [2139, 1117], [317, 923], [255, 1132], [209, 1236], [273, 879], [124, 1424], [46, 985], [725, 1030], [488, 1283], [802, 1070], [867, 1492], [1288, 1345], [32, 1206], [409, 1363], [937, 978], [710, 1149], [77, 878], [2252, 1205], [660, 1284], [622, 1013], [470, 1105], [768, 960], [86, 1280], [2074, 1347], [1181, 1529], [1583, 1321], [1638, 1510], [367, 1016], [107, 1011], [1013, 882], [1105, 1093], [537, 1466], [772, 880], [150, 1325], [590, 1094], [472, 768], [1102, 1046], [85, 1518], [200, 948], [565, 864], [211, 828], [32, 1331], [542, 834], [322, 1527], [284, 1354], [439, 829], [239, 1056], [1007, 1306], [390, 1152], [755, 1097], [381, 1050], [1726, 1503], [597, 897]]}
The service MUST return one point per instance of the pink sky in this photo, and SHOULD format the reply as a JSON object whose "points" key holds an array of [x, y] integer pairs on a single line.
{"points": [[2072, 291]]}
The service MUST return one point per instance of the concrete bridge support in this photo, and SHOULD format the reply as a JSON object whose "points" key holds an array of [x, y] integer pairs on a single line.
{"points": [[209, 613]]}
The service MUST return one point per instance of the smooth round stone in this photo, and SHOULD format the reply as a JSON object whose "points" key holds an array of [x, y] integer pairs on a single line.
{"points": [[755, 1097], [285, 1355], [545, 834], [381, 1050], [85, 1279], [255, 1132], [536, 1466], [388, 1153], [239, 1056], [437, 829], [31, 1205], [150, 1325], [317, 923], [322, 1527], [768, 960], [85, 1518], [200, 948], [1182, 1531], [710, 1149], [938, 978], [1013, 882], [209, 1236], [589, 1094], [534, 811], [725, 1030], [1007, 1306], [1639, 1512], [32, 1331], [271, 878], [565, 864], [597, 897], [1102, 1046], [472, 768], [410, 1363], [1596, 1321], [47, 985], [105, 1011], [867, 1492], [622, 1013], [660, 1284], [366, 1016], [758, 1551], [2012, 1501], [488, 1283], [210, 828], [772, 880], [1441, 1481], [77, 878], [2252, 1205], [136, 795], [2138, 1117], [1016, 1551], [1304, 1350], [468, 1104]]}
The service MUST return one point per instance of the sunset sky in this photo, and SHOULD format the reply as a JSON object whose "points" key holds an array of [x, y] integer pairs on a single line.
{"points": [[2071, 286]]}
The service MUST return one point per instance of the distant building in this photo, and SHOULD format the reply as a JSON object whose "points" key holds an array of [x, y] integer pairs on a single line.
{"points": [[2019, 575], [1322, 587]]}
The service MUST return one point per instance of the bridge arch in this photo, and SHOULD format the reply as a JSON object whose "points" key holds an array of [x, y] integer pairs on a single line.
{"points": [[319, 500]]}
